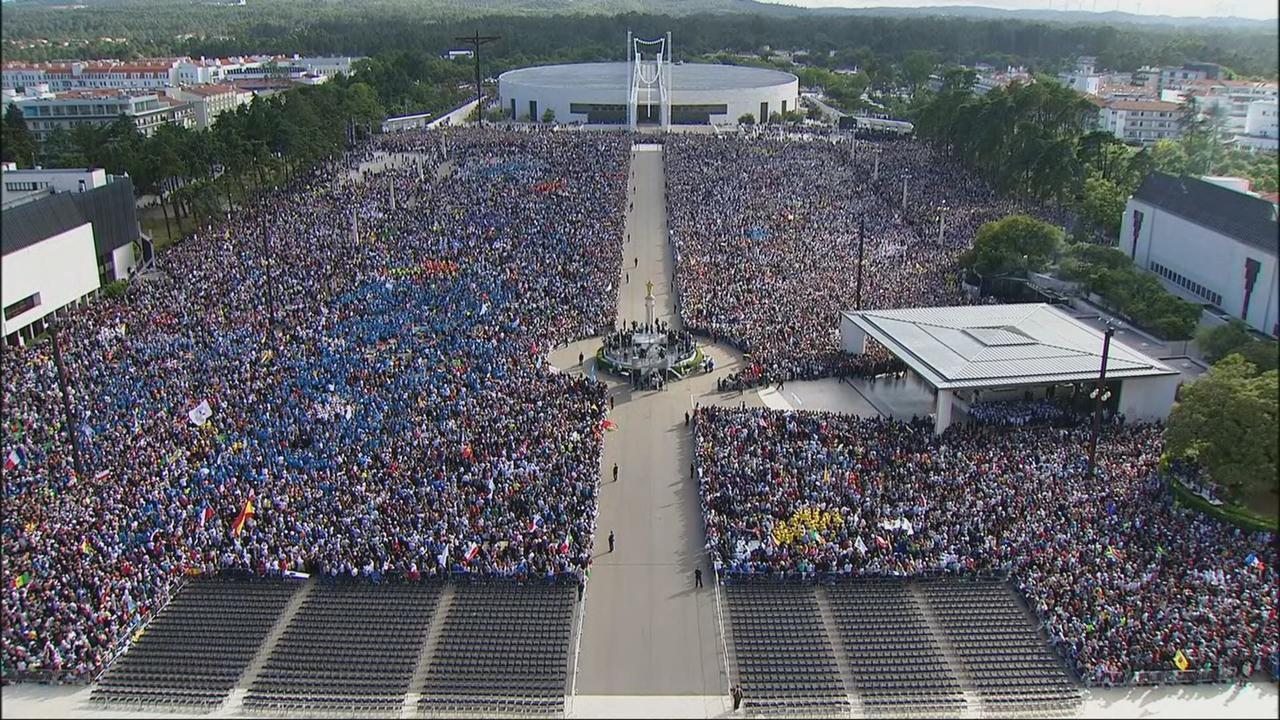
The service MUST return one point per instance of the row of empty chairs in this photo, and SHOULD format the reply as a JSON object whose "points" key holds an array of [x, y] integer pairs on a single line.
{"points": [[194, 652], [503, 650], [896, 663], [1011, 666], [784, 659], [351, 648]]}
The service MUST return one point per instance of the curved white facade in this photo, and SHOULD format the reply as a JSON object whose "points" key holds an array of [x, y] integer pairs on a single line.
{"points": [[597, 93]]}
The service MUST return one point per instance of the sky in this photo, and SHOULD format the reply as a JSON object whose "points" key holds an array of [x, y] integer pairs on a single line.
{"points": [[1256, 9]]}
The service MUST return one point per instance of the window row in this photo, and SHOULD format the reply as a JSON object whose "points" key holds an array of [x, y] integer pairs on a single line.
{"points": [[1187, 283]]}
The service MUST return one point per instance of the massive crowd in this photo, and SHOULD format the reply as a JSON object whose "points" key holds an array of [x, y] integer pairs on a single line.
{"points": [[1122, 578], [400, 419], [765, 232]]}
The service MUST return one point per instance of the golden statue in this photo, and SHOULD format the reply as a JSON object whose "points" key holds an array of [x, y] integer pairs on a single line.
{"points": [[648, 287]]}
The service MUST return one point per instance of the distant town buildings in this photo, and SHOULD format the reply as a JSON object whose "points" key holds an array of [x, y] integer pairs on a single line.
{"points": [[161, 73], [210, 101]]}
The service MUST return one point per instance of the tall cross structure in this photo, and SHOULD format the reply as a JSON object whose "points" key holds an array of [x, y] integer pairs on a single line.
{"points": [[475, 41], [646, 74]]}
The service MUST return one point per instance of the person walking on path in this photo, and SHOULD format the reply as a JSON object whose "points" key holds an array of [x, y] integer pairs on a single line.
{"points": [[580, 359], [697, 577], [686, 418], [615, 472], [611, 398], [610, 541], [737, 697]]}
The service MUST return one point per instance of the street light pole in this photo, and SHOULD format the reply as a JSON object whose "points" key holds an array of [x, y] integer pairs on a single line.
{"points": [[72, 433], [875, 171], [905, 178], [1100, 396], [942, 219], [862, 232]]}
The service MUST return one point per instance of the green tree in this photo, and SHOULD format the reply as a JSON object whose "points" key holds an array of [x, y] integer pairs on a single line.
{"points": [[916, 68], [549, 115], [1218, 342], [746, 119], [17, 144], [1103, 205], [1168, 157], [1227, 421], [1017, 243]]}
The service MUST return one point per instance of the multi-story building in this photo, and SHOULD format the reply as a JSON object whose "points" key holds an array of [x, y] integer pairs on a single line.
{"points": [[1261, 127], [147, 110], [210, 101], [149, 74], [1142, 122], [1209, 242], [1229, 100]]}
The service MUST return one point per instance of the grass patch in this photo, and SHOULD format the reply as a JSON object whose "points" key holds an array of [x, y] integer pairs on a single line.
{"points": [[1234, 514], [154, 226]]}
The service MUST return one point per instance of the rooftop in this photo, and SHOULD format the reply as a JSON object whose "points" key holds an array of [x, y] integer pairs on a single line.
{"points": [[1243, 217], [1000, 345]]}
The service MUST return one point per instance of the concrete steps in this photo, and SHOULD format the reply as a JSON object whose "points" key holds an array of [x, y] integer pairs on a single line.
{"points": [[235, 702], [419, 679], [842, 657]]}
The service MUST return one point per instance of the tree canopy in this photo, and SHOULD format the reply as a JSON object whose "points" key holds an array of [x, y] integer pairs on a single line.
{"points": [[1226, 421], [1017, 243]]}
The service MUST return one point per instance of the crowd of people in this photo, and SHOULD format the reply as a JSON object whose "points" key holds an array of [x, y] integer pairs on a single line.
{"points": [[1122, 578], [765, 234], [398, 420]]}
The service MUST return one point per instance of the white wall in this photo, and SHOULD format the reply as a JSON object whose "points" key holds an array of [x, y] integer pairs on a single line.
{"points": [[1213, 260], [852, 339], [62, 269], [1148, 398], [738, 102], [122, 261]]}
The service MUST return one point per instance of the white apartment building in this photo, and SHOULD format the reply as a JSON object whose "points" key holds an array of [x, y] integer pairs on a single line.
{"points": [[147, 110], [150, 74], [210, 101], [1261, 127], [1142, 122], [1230, 98]]}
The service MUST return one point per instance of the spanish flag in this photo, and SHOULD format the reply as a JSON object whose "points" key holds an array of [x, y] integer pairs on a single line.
{"points": [[244, 515], [1181, 661]]}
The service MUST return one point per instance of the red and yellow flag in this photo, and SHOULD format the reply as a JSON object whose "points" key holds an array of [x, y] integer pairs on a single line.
{"points": [[245, 514]]}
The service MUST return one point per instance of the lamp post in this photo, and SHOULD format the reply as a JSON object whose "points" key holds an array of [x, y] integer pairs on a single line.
{"points": [[942, 220], [875, 171], [1100, 395], [905, 178], [862, 233]]}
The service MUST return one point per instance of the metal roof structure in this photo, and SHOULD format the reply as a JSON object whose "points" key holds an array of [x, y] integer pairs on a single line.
{"points": [[613, 76], [1000, 345]]}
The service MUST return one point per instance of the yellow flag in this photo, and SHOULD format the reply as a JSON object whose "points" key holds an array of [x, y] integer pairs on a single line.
{"points": [[1181, 661]]}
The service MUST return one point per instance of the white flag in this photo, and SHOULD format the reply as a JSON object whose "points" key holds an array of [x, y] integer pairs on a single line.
{"points": [[862, 547], [201, 413]]}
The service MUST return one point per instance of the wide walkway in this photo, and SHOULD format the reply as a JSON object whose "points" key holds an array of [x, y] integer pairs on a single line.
{"points": [[648, 631]]}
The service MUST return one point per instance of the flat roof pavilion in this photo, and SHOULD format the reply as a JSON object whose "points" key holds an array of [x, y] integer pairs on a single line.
{"points": [[1007, 346]]}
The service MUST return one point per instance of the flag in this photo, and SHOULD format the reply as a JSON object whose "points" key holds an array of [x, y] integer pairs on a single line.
{"points": [[21, 580], [206, 514], [86, 548], [443, 557], [610, 425], [535, 523], [862, 547], [1254, 562], [881, 542], [296, 574], [826, 476], [17, 457], [246, 513], [473, 550], [200, 414], [1181, 661], [467, 452], [101, 475]]}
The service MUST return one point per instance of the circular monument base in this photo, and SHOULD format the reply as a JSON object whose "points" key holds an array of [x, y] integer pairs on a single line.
{"points": [[668, 354]]}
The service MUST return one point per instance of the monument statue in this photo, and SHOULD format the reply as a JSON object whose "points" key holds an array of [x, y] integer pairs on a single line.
{"points": [[648, 289]]}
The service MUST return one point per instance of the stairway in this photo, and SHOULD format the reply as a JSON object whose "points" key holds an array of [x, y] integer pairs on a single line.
{"points": [[235, 702], [842, 656], [973, 701], [428, 651]]}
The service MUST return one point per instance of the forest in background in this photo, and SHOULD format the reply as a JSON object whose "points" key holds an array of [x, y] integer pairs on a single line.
{"points": [[532, 29]]}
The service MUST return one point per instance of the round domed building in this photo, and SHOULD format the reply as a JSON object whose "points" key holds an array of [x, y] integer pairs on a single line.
{"points": [[622, 93]]}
